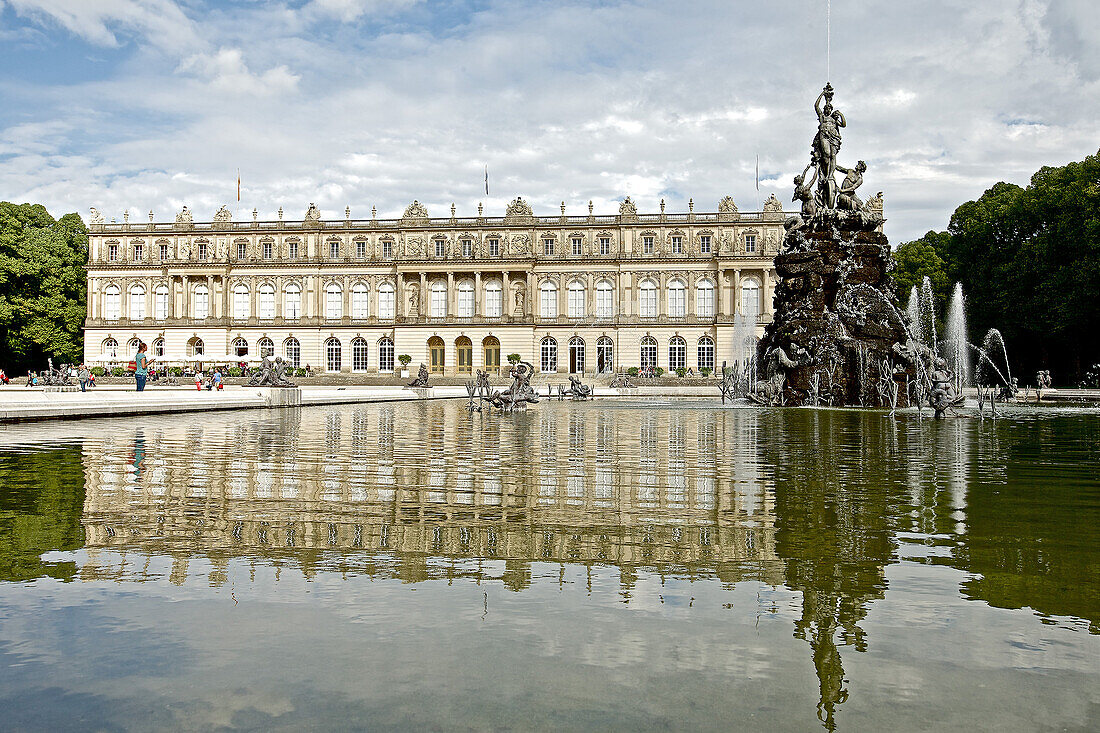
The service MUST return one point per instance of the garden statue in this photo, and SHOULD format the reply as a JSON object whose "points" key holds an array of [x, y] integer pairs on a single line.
{"points": [[270, 373], [421, 378], [622, 381], [520, 392], [943, 387], [576, 390]]}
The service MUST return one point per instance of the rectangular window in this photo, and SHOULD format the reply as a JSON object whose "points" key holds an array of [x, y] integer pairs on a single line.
{"points": [[605, 245], [202, 250], [576, 246], [387, 249], [676, 302], [267, 303], [548, 247], [494, 247], [292, 250], [160, 304], [467, 248], [242, 250], [493, 302], [465, 304], [164, 251], [440, 248], [385, 303], [334, 304], [361, 249], [139, 251], [704, 244], [677, 245], [241, 305], [576, 302], [750, 242], [112, 253], [647, 245], [647, 302], [137, 305], [112, 304], [202, 303], [604, 307], [293, 307], [385, 356], [548, 307], [268, 250], [439, 302], [359, 302], [334, 250]]}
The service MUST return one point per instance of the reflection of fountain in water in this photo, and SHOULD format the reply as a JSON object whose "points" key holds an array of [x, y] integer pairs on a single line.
{"points": [[955, 339]]}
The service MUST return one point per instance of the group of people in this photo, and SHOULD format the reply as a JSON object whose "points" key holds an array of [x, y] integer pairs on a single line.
{"points": [[212, 380]]}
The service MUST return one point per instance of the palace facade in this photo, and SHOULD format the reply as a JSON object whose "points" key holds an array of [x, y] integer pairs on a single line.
{"points": [[570, 294]]}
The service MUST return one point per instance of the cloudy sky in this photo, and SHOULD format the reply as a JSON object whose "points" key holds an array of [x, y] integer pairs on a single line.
{"points": [[153, 104]]}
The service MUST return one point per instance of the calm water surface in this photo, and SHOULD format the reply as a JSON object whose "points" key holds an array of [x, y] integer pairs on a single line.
{"points": [[591, 566]]}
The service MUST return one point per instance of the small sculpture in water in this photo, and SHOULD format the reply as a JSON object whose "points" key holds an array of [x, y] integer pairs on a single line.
{"points": [[421, 378], [575, 390], [622, 381], [943, 387], [271, 373], [478, 389], [520, 392]]}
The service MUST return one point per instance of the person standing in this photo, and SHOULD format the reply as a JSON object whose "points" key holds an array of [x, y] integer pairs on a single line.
{"points": [[141, 366], [217, 379], [83, 375], [198, 380]]}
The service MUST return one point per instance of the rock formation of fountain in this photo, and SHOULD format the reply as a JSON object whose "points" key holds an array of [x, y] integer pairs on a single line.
{"points": [[838, 336]]}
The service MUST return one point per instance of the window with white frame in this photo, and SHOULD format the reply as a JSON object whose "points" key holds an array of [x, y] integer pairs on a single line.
{"points": [[360, 302], [359, 351], [439, 299], [704, 244], [334, 302], [158, 348], [292, 301], [576, 295], [266, 347], [334, 250], [139, 252], [160, 302], [387, 248], [677, 353], [293, 350], [548, 300], [750, 298], [267, 301], [164, 251], [440, 248], [203, 250], [333, 355], [385, 354], [704, 298], [242, 250], [750, 242], [647, 245], [605, 245], [548, 353], [268, 250], [360, 249], [494, 247], [494, 299], [240, 348], [677, 298], [195, 347], [467, 248], [112, 253], [201, 307], [465, 299], [385, 300], [605, 305], [110, 349], [677, 245], [648, 355], [706, 353], [137, 302], [647, 299], [548, 247], [241, 305], [577, 247], [292, 249]]}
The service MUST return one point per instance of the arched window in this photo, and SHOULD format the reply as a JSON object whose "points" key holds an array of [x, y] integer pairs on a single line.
{"points": [[439, 299], [240, 348], [576, 355], [242, 307], [464, 351], [605, 305], [677, 353], [386, 301], [385, 351], [137, 302], [465, 299], [549, 354], [706, 353], [647, 299], [195, 348], [334, 303], [360, 302], [201, 306], [605, 355], [110, 349], [158, 348], [649, 353], [266, 347], [494, 299], [333, 354], [267, 301], [293, 351], [750, 297], [160, 302], [491, 347], [132, 346], [437, 354], [292, 301], [359, 354], [548, 300], [704, 298], [677, 298], [576, 299], [112, 303]]}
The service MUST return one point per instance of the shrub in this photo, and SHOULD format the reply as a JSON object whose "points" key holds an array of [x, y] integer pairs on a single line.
{"points": [[99, 371], [681, 372], [658, 371], [118, 372], [175, 371], [514, 358], [300, 372], [405, 359], [704, 371], [632, 371], [234, 372]]}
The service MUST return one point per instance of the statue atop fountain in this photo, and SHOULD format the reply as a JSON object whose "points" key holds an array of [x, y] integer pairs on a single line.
{"points": [[838, 336]]}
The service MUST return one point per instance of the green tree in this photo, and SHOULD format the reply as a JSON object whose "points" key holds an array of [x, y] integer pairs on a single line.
{"points": [[920, 258], [43, 288]]}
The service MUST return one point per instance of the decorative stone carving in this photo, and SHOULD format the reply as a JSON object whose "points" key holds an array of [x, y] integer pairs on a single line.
{"points": [[518, 209], [519, 297], [184, 219], [223, 218], [415, 213], [521, 244], [627, 210], [414, 300], [313, 216], [421, 378], [414, 247], [874, 204], [772, 205], [95, 218]]}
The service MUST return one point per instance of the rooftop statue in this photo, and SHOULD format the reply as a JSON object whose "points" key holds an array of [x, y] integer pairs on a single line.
{"points": [[223, 216], [183, 218], [518, 209], [96, 217], [415, 212], [627, 209], [313, 214]]}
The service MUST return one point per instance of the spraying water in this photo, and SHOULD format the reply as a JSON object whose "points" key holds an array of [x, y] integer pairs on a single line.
{"points": [[913, 310], [993, 338], [955, 343], [928, 312]]}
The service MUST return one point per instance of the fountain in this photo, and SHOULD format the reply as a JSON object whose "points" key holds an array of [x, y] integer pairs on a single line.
{"points": [[838, 336], [928, 313], [913, 311], [956, 339]]}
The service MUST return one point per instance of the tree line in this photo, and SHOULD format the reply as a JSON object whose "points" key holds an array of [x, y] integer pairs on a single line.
{"points": [[1029, 262], [43, 290]]}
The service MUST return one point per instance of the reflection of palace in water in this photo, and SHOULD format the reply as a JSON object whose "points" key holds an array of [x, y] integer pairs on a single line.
{"points": [[563, 484]]}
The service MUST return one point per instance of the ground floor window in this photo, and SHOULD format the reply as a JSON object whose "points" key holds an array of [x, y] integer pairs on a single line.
{"points": [[332, 355], [437, 354], [605, 352], [294, 352], [385, 355], [677, 354], [359, 355], [649, 353], [576, 355], [549, 355], [706, 353]]}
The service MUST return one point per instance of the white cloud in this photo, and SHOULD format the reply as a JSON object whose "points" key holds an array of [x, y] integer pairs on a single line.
{"points": [[101, 21], [351, 10], [226, 72]]}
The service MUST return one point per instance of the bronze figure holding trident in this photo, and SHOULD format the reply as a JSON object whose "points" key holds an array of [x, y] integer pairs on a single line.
{"points": [[827, 145]]}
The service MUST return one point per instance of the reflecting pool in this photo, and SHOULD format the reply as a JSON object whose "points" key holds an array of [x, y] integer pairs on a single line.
{"points": [[608, 565]]}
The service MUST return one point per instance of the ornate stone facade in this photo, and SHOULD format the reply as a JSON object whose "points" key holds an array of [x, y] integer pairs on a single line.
{"points": [[568, 293]]}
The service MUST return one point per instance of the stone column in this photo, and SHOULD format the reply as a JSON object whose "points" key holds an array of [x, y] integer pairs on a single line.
{"points": [[425, 306], [563, 298], [767, 294], [399, 300], [212, 300], [451, 293], [507, 307], [185, 307], [736, 305], [690, 297], [477, 294]]}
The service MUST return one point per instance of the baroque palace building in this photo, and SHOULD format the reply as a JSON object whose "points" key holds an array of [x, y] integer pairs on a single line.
{"points": [[570, 294]]}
